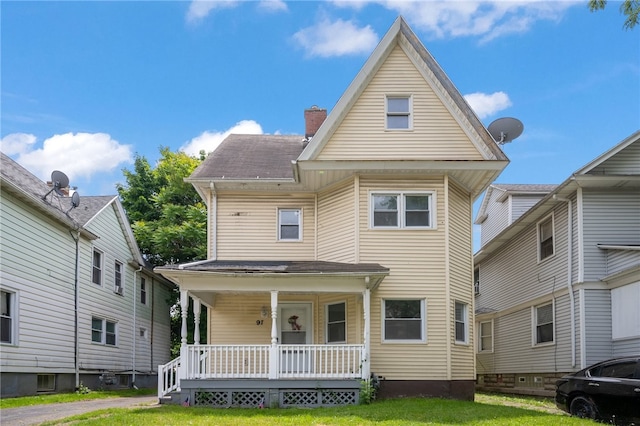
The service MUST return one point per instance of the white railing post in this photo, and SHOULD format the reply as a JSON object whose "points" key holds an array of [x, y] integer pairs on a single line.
{"points": [[196, 320], [273, 351], [184, 307]]}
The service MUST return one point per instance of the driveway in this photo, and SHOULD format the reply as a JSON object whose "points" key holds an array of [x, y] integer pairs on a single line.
{"points": [[37, 414]]}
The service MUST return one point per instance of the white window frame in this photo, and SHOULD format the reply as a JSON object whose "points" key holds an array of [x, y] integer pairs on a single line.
{"points": [[535, 325], [539, 237], [142, 333], [481, 336], [99, 268], [118, 278], [408, 113], [11, 315], [328, 323], [464, 321], [402, 210], [280, 224], [476, 281], [104, 331], [45, 382], [143, 291], [423, 321]]}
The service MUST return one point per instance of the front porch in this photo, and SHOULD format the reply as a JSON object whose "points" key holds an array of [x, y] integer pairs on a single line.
{"points": [[282, 333]]}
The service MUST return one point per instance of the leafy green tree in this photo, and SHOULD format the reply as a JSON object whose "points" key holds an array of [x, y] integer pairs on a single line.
{"points": [[168, 219], [630, 8]]}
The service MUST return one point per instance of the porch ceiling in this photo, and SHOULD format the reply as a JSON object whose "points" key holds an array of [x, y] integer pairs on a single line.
{"points": [[239, 276]]}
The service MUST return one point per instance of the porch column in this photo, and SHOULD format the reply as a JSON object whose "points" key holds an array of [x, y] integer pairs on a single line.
{"points": [[184, 307], [196, 320], [273, 352], [366, 308]]}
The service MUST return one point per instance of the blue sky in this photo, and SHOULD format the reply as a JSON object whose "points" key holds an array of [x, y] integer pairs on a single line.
{"points": [[87, 85]]}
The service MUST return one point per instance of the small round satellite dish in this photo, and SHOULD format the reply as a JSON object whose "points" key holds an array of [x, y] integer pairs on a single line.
{"points": [[59, 181], [75, 200], [505, 129]]}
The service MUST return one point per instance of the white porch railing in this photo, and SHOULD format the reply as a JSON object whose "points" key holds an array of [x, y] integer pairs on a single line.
{"points": [[254, 362]]}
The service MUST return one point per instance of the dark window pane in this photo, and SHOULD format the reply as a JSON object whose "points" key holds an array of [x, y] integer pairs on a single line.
{"points": [[402, 309], [460, 334], [545, 333], [385, 219], [336, 332], [336, 312], [5, 330], [417, 202], [289, 232], [403, 330], [417, 218], [385, 202]]}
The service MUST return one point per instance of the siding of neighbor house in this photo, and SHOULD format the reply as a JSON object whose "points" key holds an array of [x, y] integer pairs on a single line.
{"points": [[497, 217], [247, 227], [597, 325], [41, 273], [362, 134], [521, 203], [600, 229]]}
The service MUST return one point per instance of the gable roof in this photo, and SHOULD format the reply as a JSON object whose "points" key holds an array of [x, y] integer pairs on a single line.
{"points": [[401, 34], [584, 178], [510, 189]]}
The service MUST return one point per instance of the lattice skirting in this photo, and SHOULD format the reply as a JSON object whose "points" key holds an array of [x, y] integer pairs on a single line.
{"points": [[282, 398]]}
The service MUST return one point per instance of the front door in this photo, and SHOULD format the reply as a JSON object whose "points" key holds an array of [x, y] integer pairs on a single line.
{"points": [[295, 327]]}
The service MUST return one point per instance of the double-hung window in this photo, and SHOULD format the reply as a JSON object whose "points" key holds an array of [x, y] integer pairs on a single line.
{"points": [[545, 238], [543, 321], [461, 322], [117, 269], [404, 320], [337, 323], [7, 317], [398, 113], [96, 276], [103, 331], [486, 336], [402, 210], [289, 224]]}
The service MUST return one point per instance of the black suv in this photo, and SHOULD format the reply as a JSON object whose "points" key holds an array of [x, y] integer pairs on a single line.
{"points": [[608, 390]]}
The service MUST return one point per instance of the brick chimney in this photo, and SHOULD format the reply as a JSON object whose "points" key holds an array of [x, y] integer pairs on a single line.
{"points": [[313, 119]]}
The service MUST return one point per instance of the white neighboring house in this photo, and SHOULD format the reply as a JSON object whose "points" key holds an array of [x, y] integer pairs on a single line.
{"points": [[79, 303], [558, 274]]}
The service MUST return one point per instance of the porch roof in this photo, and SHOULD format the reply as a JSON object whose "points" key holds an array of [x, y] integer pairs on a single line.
{"points": [[212, 276]]}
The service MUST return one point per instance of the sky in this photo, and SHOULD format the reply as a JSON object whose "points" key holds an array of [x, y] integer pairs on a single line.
{"points": [[86, 86]]}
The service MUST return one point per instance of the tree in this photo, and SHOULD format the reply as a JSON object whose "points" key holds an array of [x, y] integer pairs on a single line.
{"points": [[630, 8], [168, 219]]}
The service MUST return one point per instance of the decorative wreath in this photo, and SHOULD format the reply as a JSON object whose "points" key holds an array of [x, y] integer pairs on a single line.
{"points": [[293, 320]]}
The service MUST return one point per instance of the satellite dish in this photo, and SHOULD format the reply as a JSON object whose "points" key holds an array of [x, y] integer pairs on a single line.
{"points": [[506, 129], [59, 180], [75, 201]]}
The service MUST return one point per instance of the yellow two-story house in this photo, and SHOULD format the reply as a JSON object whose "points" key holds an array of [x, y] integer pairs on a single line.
{"points": [[344, 255]]}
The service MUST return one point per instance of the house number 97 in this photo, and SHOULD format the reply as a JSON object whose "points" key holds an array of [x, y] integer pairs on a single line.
{"points": [[259, 322]]}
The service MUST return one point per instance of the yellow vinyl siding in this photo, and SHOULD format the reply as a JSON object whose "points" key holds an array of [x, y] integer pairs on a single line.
{"points": [[461, 279], [247, 228], [436, 135], [336, 224], [416, 259], [232, 321]]}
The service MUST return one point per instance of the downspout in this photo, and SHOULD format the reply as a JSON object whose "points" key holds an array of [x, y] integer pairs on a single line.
{"points": [[76, 291], [572, 301], [133, 361], [153, 321]]}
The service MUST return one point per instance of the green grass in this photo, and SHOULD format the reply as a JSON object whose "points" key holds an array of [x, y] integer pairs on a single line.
{"points": [[71, 397], [488, 409]]}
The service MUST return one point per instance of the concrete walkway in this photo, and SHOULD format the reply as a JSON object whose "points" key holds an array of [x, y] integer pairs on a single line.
{"points": [[36, 414]]}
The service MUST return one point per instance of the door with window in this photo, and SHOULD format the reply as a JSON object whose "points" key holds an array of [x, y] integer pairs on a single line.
{"points": [[295, 328]]}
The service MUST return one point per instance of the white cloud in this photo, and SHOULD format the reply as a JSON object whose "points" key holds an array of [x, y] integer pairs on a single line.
{"points": [[484, 19], [272, 5], [17, 143], [200, 9], [337, 38], [209, 141], [485, 105], [77, 155]]}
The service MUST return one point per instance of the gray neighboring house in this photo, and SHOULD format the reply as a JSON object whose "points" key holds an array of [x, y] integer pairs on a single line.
{"points": [[79, 303], [557, 279]]}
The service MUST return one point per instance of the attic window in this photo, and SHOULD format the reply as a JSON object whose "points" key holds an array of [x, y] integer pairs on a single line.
{"points": [[398, 109]]}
